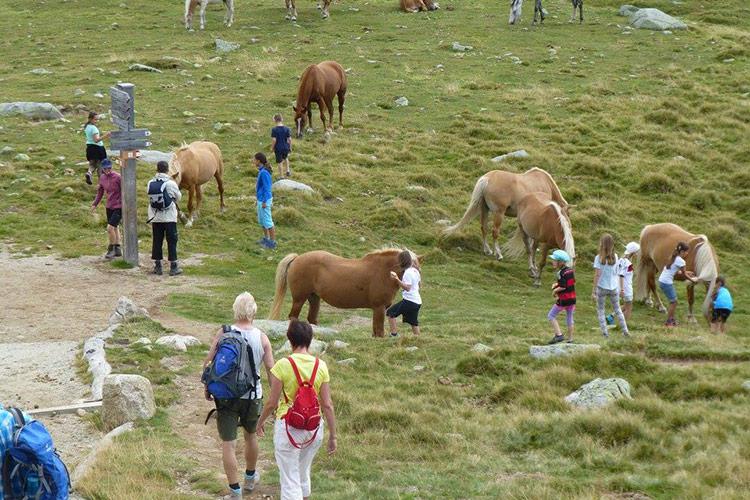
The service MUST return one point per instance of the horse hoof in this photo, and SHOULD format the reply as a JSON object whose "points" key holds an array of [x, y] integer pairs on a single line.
{"points": [[287, 17], [499, 257], [662, 309]]}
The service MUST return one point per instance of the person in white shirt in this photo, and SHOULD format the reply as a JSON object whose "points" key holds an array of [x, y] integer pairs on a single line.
{"points": [[675, 269], [625, 272], [411, 300], [606, 284]]}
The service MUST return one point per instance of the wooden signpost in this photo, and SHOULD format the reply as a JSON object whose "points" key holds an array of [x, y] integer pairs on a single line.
{"points": [[129, 140]]}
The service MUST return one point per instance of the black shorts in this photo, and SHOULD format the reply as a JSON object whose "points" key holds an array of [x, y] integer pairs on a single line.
{"points": [[409, 310], [720, 315], [114, 216], [95, 152], [281, 155]]}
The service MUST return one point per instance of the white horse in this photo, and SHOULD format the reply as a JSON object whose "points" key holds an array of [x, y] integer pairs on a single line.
{"points": [[190, 6]]}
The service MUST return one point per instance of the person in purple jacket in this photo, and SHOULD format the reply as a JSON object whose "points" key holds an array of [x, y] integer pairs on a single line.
{"points": [[109, 183], [265, 201]]}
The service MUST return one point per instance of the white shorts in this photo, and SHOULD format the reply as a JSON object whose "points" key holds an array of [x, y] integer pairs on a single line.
{"points": [[294, 464]]}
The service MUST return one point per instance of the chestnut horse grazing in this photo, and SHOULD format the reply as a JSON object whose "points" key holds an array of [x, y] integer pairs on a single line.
{"points": [[658, 241], [320, 83], [192, 166], [417, 5], [190, 6], [500, 192], [541, 223], [343, 283]]}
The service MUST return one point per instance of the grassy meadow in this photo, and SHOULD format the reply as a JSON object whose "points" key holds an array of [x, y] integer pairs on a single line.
{"points": [[636, 126]]}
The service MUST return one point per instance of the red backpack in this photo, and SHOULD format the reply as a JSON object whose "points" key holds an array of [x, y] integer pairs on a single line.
{"points": [[304, 414]]}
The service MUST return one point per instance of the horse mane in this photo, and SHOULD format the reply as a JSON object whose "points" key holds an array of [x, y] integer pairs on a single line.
{"points": [[305, 87], [567, 230], [556, 194], [386, 249]]}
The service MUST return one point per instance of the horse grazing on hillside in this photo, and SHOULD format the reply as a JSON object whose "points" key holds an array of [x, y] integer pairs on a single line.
{"points": [[291, 9], [343, 283], [192, 166], [418, 5], [541, 224], [500, 192], [657, 243], [320, 83], [190, 6]]}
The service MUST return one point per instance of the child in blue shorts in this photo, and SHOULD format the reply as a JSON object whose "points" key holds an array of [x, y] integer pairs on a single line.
{"points": [[722, 306], [265, 200]]}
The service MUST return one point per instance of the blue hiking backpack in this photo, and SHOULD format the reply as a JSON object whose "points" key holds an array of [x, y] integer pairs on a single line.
{"points": [[232, 372], [158, 196], [31, 466]]}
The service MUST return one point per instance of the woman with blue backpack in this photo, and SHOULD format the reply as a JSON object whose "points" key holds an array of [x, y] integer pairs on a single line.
{"points": [[298, 432]]}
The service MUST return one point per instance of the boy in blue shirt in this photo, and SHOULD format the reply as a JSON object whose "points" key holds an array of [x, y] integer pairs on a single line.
{"points": [[282, 145], [722, 306], [265, 200]]}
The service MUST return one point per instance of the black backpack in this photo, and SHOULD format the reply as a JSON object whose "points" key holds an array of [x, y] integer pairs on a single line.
{"points": [[158, 196]]}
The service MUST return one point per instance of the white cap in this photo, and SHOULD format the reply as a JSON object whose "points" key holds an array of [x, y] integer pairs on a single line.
{"points": [[632, 248]]}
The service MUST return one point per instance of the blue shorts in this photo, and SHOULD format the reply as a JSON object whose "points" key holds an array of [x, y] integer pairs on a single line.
{"points": [[264, 214], [669, 291], [281, 155]]}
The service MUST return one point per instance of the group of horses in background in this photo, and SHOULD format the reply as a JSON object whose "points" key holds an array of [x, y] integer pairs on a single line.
{"points": [[516, 6]]}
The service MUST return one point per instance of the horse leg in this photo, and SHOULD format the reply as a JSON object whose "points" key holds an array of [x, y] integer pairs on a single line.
{"points": [[497, 222], [325, 13], [580, 10], [220, 186], [198, 201], [690, 300], [204, 4], [191, 191], [378, 319], [483, 225], [533, 244], [312, 313], [309, 119], [652, 288], [544, 250], [342, 97], [322, 108], [229, 19], [188, 15], [297, 304], [329, 105]]}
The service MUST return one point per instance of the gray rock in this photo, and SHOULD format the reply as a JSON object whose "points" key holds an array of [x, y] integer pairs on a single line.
{"points": [[443, 222], [108, 333], [178, 342], [628, 10], [457, 47], [126, 398], [599, 393], [99, 95], [142, 341], [32, 110], [21, 157], [86, 465], [143, 67], [125, 310], [402, 101], [340, 344], [93, 353], [6, 150], [561, 349], [224, 46], [654, 19], [276, 329], [418, 368], [411, 348], [290, 185], [521, 153], [346, 362], [317, 347], [78, 92], [69, 190], [40, 71], [746, 385], [481, 348]]}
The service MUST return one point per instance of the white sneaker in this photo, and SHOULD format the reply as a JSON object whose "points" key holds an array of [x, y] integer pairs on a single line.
{"points": [[250, 482], [233, 495]]}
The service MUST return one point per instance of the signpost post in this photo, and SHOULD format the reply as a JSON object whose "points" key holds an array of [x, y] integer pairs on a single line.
{"points": [[128, 140]]}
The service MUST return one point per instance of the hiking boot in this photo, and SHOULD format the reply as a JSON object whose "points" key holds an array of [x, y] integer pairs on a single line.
{"points": [[174, 269], [88, 178], [110, 252], [118, 251], [251, 481], [556, 339], [157, 268]]}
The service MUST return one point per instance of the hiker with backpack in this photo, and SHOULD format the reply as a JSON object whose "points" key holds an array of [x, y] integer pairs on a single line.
{"points": [[163, 195], [231, 374], [303, 380], [29, 464]]}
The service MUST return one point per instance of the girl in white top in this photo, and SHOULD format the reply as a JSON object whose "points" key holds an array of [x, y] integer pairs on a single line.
{"points": [[675, 269], [606, 284], [412, 301], [625, 272]]}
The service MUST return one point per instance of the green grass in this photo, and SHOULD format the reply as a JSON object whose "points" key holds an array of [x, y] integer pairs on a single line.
{"points": [[636, 128]]}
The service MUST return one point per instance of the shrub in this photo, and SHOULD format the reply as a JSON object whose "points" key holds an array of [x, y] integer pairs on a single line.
{"points": [[656, 183]]}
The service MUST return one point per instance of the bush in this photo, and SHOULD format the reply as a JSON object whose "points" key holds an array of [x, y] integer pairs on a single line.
{"points": [[656, 183]]}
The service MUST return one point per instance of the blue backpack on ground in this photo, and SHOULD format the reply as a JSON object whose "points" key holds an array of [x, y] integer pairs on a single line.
{"points": [[232, 372], [31, 466], [158, 196]]}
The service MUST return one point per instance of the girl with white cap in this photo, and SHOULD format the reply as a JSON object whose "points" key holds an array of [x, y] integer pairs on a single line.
{"points": [[625, 272]]}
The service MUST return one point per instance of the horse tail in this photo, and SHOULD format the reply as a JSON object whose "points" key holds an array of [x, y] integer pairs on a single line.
{"points": [[641, 272], [281, 282], [475, 206], [706, 270], [515, 246]]}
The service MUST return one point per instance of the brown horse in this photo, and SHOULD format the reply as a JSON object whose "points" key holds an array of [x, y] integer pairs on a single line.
{"points": [[541, 223], [658, 241], [192, 166], [320, 83], [499, 191], [417, 5], [343, 283]]}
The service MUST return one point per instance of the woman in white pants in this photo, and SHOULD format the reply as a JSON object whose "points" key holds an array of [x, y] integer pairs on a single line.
{"points": [[295, 462]]}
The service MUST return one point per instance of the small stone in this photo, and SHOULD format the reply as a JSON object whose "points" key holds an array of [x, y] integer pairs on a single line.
{"points": [[21, 157], [290, 185], [411, 348], [346, 362], [78, 92], [746, 385], [439, 66], [143, 67], [224, 46], [599, 393], [99, 95], [444, 381], [481, 348], [561, 349], [418, 368], [126, 398], [521, 153], [115, 26], [402, 101], [317, 347], [457, 47], [443, 222], [728, 60], [188, 113], [31, 110], [339, 344], [142, 341], [40, 71], [178, 342], [81, 412], [7, 150]]}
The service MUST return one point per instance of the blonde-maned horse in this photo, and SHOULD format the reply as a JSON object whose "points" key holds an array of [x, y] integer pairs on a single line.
{"points": [[541, 224], [193, 165], [499, 192], [341, 282], [658, 241]]}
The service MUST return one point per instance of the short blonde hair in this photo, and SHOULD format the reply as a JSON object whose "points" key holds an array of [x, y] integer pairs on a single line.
{"points": [[244, 307]]}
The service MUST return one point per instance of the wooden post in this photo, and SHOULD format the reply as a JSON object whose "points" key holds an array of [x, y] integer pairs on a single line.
{"points": [[129, 208]]}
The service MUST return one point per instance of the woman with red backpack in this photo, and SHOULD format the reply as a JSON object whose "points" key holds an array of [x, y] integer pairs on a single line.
{"points": [[298, 432]]}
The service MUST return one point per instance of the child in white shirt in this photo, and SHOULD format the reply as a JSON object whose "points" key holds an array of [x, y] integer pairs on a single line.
{"points": [[411, 301], [625, 272]]}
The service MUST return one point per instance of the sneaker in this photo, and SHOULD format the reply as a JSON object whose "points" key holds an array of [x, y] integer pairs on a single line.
{"points": [[174, 269], [262, 241], [270, 244], [556, 339], [233, 494], [251, 481], [88, 178], [569, 341], [394, 334], [110, 252]]}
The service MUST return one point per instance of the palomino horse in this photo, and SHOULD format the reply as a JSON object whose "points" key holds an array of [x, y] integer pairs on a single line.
{"points": [[417, 5], [190, 6], [192, 166], [320, 83], [291, 9], [344, 283], [541, 223], [658, 241], [499, 191]]}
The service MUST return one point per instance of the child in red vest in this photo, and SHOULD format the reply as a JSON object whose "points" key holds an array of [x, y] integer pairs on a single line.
{"points": [[564, 289]]}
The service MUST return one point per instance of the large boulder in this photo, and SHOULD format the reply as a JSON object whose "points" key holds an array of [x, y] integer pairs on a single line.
{"points": [[290, 185], [125, 310], [521, 153], [126, 398], [31, 110], [654, 19], [276, 329], [178, 342], [599, 393], [317, 347], [561, 349]]}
